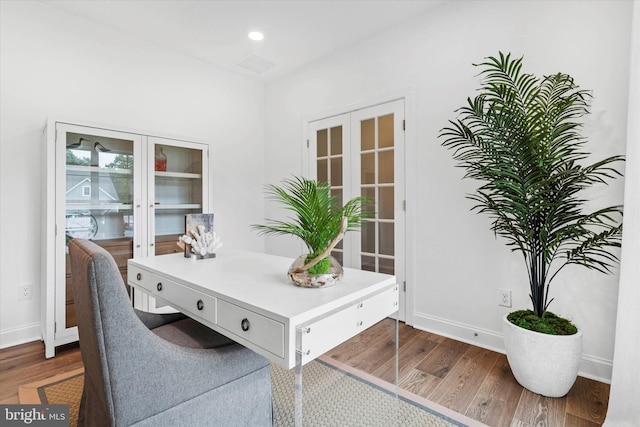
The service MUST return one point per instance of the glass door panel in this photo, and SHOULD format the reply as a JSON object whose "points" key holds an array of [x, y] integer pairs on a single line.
{"points": [[177, 190], [378, 174], [329, 167], [98, 173], [361, 153]]}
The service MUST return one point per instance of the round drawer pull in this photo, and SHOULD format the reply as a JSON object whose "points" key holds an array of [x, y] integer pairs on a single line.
{"points": [[139, 276], [200, 304], [159, 286], [245, 325]]}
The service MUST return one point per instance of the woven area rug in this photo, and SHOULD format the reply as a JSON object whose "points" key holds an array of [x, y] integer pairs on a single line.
{"points": [[331, 397]]}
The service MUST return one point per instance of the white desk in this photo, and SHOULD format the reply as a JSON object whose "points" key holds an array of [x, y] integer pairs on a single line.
{"points": [[246, 296]]}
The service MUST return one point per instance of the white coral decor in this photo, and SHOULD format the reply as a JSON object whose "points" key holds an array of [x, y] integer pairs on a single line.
{"points": [[201, 242]]}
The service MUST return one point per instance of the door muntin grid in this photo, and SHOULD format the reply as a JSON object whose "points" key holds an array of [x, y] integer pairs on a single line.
{"points": [[377, 182]]}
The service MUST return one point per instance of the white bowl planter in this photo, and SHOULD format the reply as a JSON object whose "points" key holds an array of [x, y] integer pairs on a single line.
{"points": [[545, 364]]}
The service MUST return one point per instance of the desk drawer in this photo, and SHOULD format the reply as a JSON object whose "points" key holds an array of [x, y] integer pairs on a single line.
{"points": [[187, 300], [141, 278], [260, 330], [324, 334]]}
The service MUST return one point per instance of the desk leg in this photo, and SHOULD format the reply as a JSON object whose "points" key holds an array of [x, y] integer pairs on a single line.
{"points": [[300, 332], [397, 388]]}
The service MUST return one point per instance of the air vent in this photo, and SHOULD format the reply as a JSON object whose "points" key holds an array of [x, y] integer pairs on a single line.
{"points": [[256, 64]]}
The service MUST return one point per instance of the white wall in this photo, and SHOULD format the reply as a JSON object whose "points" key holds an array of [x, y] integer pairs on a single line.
{"points": [[625, 393], [58, 65], [458, 265]]}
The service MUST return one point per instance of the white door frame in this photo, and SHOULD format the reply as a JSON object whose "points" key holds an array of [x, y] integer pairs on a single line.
{"points": [[410, 173]]}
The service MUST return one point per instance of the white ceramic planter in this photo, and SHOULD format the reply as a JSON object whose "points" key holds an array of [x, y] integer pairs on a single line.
{"points": [[545, 364]]}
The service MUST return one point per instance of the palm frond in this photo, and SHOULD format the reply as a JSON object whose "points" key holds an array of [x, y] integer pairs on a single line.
{"points": [[520, 137], [317, 215]]}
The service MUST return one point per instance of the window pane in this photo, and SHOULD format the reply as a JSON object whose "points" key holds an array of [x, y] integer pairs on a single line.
{"points": [[336, 140], [322, 170], [386, 266], [368, 263], [369, 193], [336, 171], [367, 135], [322, 143], [385, 166], [386, 238], [385, 131], [386, 203], [368, 168], [368, 237], [337, 192]]}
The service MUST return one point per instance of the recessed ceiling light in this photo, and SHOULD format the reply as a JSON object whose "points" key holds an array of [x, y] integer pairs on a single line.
{"points": [[256, 35]]}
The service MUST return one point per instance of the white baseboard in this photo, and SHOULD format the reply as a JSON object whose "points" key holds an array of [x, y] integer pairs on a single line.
{"points": [[20, 335], [591, 367]]}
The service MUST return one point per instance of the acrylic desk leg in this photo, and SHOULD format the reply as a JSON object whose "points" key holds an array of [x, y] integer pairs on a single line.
{"points": [[300, 331], [397, 340]]}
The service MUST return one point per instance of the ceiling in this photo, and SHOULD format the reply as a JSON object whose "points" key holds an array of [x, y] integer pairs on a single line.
{"points": [[297, 32]]}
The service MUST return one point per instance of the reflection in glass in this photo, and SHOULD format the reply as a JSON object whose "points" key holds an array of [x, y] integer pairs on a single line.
{"points": [[386, 266], [386, 238], [336, 171], [368, 237], [98, 187], [98, 198], [336, 140], [322, 143], [386, 203], [369, 193], [322, 170], [368, 263], [368, 168], [385, 131], [337, 193], [338, 255], [367, 134], [385, 166]]}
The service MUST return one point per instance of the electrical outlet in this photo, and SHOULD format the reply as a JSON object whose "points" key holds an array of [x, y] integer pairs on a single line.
{"points": [[504, 297], [26, 291]]}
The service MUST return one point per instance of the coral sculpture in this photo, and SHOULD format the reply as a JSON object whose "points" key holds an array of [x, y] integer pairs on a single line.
{"points": [[199, 242]]}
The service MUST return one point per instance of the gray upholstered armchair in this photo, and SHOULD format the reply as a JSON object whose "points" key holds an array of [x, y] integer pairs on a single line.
{"points": [[157, 370]]}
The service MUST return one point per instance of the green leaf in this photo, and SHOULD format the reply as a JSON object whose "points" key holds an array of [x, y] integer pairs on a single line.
{"points": [[520, 139]]}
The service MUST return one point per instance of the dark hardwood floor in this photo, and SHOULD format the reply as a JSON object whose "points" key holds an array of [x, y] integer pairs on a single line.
{"points": [[467, 379]]}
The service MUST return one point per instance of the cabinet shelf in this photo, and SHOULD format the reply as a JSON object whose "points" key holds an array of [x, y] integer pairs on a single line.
{"points": [[183, 175], [177, 206], [90, 169], [99, 206]]}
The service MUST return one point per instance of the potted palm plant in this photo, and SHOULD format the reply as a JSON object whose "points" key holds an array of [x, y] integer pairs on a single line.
{"points": [[520, 138], [320, 221]]}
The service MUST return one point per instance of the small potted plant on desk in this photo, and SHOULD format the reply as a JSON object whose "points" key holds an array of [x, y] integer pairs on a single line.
{"points": [[520, 137], [320, 221]]}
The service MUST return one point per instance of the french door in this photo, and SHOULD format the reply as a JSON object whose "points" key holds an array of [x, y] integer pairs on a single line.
{"points": [[361, 153]]}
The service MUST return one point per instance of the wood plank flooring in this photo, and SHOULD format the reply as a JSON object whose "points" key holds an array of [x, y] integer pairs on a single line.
{"points": [[467, 379]]}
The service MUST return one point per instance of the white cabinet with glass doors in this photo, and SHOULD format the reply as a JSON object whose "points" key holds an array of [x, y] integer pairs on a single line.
{"points": [[126, 191]]}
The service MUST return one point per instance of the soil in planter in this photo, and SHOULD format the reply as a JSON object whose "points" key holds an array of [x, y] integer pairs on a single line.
{"points": [[549, 324]]}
